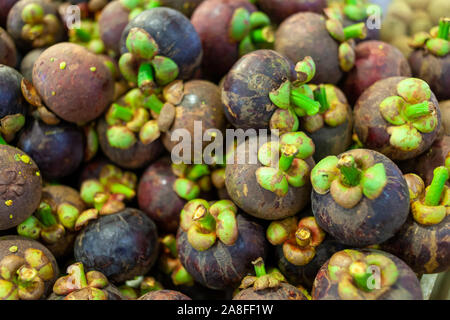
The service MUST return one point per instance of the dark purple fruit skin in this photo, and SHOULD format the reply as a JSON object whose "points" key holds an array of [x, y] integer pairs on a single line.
{"points": [[304, 275], [407, 286], [111, 290], [175, 36], [27, 64], [113, 20], [15, 23], [246, 193], [164, 295], [246, 88], [157, 198], [11, 98], [5, 6], [424, 248], [304, 34], [23, 244], [221, 266], [212, 19], [370, 221], [57, 149], [285, 291], [434, 70], [138, 156], [74, 93], [21, 183], [8, 54], [375, 60], [121, 246], [278, 10], [186, 7], [371, 127]]}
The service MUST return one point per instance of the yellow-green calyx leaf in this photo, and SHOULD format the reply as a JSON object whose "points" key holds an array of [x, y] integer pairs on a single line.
{"points": [[204, 223], [262, 280], [373, 181], [436, 41], [324, 172]]}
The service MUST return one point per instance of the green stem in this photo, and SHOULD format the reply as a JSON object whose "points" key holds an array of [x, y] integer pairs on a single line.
{"points": [[260, 269], [262, 35], [309, 105], [122, 113], [303, 237], [444, 28], [357, 30], [417, 110], [45, 215], [122, 189], [288, 152], [153, 103], [434, 193], [204, 219], [145, 74], [320, 95], [350, 174]]}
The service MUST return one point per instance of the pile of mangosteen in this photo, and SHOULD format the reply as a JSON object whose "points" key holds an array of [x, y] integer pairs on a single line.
{"points": [[221, 149]]}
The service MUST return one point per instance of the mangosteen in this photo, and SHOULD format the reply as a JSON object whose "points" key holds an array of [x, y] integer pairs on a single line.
{"points": [[407, 121], [27, 63], [159, 41], [365, 274], [444, 106], [73, 83], [20, 186], [274, 183], [302, 248], [216, 244], [8, 53], [35, 24], [325, 40], [229, 29], [279, 10], [374, 60], [87, 35], [430, 60], [57, 149], [121, 245], [53, 223], [81, 285], [28, 269], [164, 295], [423, 240], [5, 6], [359, 197]]}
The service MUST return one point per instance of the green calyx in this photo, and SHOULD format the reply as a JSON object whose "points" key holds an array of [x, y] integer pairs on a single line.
{"points": [[39, 28], [171, 265], [107, 193], [192, 180], [410, 113], [88, 36], [349, 177], [284, 163], [205, 224], [78, 285], [32, 13], [252, 31], [262, 279], [11, 124], [438, 43], [23, 278], [141, 44]]}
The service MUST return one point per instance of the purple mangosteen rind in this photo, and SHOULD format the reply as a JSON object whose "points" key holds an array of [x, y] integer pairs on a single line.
{"points": [[112, 21], [284, 291], [164, 295], [13, 101], [279, 10]]}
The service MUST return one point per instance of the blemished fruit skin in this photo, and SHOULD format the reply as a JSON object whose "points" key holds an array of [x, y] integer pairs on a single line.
{"points": [[164, 295], [285, 291]]}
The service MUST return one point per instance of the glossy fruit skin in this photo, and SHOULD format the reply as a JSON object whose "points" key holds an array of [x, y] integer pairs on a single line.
{"points": [[23, 244], [246, 193], [57, 149], [371, 127], [112, 21], [285, 291], [375, 60], [212, 20], [11, 98], [111, 290], [370, 221], [423, 248], [304, 34], [175, 36], [434, 70], [5, 6], [201, 102], [164, 295], [221, 266], [137, 156], [278, 10], [74, 93], [246, 88], [27, 63], [121, 246], [20, 182], [156, 196], [304, 275], [15, 23], [8, 54], [407, 286]]}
